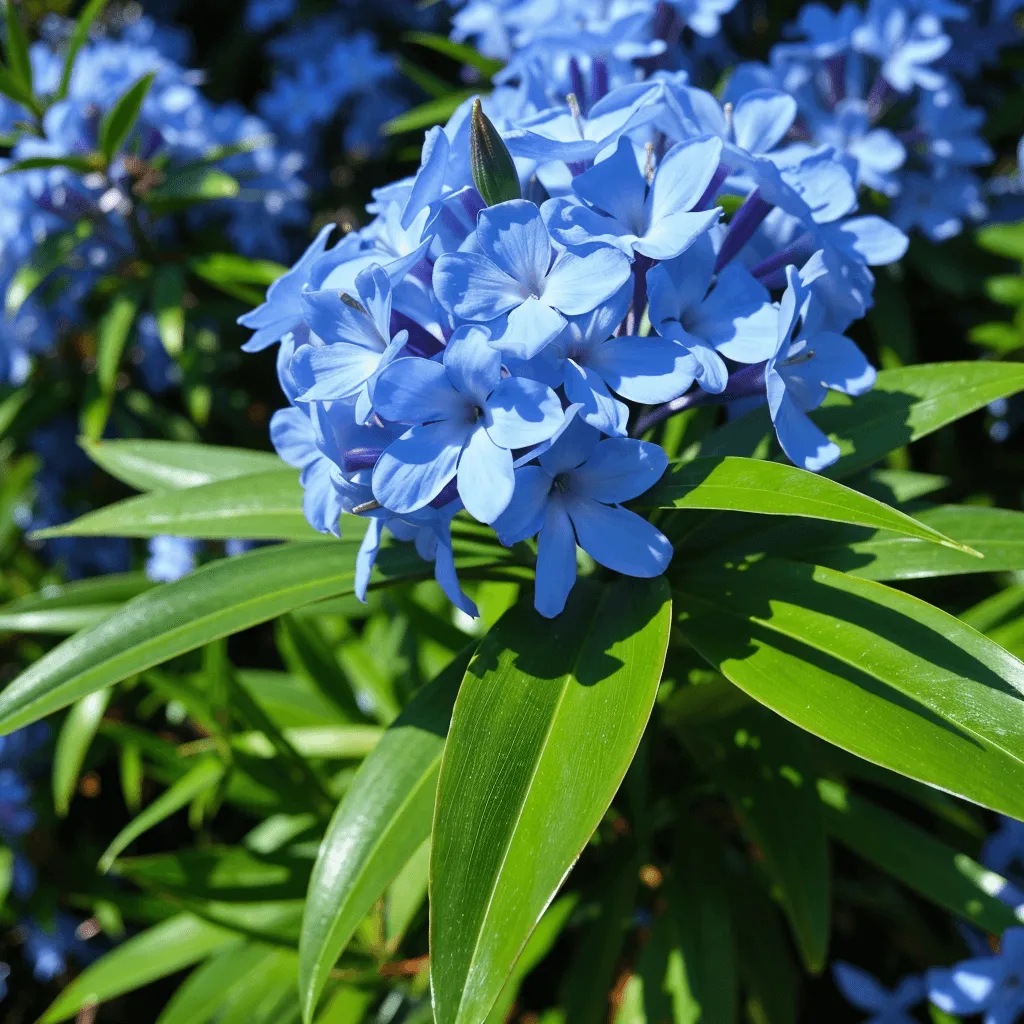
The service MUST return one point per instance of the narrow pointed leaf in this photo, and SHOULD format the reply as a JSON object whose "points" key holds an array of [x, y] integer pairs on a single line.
{"points": [[870, 669], [120, 120], [73, 741], [216, 600], [174, 465], [384, 818], [168, 296], [767, 773], [937, 871], [208, 987], [156, 953], [546, 723], [70, 607], [265, 506], [772, 488], [90, 12], [204, 775], [17, 47]]}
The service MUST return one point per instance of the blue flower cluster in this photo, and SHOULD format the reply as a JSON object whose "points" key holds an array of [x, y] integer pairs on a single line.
{"points": [[881, 86], [988, 984], [507, 358], [178, 125]]}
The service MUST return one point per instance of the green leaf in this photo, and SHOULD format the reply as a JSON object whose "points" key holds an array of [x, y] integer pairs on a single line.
{"points": [[201, 777], [539, 944], [546, 723], [14, 88], [174, 465], [73, 742], [17, 48], [1004, 239], [230, 268], [872, 670], [158, 952], [49, 256], [772, 488], [90, 12], [329, 742], [212, 985], [68, 607], [120, 119], [264, 506], [905, 405], [1007, 289], [190, 185], [427, 114], [168, 295], [938, 872], [459, 52], [764, 767], [216, 600], [81, 164], [111, 341], [996, 533], [385, 816]]}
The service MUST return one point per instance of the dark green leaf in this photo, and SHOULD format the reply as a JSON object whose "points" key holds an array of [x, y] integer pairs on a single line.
{"points": [[459, 52], [231, 268], [764, 767], [211, 986], [384, 817], [17, 48], [71, 606], [190, 185], [111, 341], [546, 723], [52, 254], [203, 776], [872, 670], [938, 872], [120, 119]]}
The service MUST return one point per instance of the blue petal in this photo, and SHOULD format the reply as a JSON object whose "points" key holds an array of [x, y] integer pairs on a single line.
{"points": [[485, 476], [801, 440], [531, 326], [413, 470], [556, 561], [644, 369], [374, 287], [837, 363], [875, 240], [469, 285], [472, 365], [585, 387], [444, 573], [338, 371], [619, 539], [367, 556], [680, 285], [574, 225], [761, 119], [415, 391], [333, 319], [293, 437], [514, 237], [620, 469], [524, 515], [675, 233], [859, 987], [321, 499], [683, 176], [577, 284], [522, 412], [616, 187]]}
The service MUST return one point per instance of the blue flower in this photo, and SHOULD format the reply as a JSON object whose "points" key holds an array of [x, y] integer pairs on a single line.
{"points": [[466, 421], [735, 319], [572, 496], [282, 311], [867, 994], [350, 344], [659, 222], [518, 274], [989, 985], [807, 363]]}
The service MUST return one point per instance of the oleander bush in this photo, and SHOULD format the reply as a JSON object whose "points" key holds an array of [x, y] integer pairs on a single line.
{"points": [[512, 512]]}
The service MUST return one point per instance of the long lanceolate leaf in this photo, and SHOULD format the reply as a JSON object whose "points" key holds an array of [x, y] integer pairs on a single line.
{"points": [[384, 817], [546, 723], [216, 600], [870, 669], [771, 488]]}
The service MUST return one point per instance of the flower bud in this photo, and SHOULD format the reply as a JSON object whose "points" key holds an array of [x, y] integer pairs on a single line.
{"points": [[494, 172]]}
